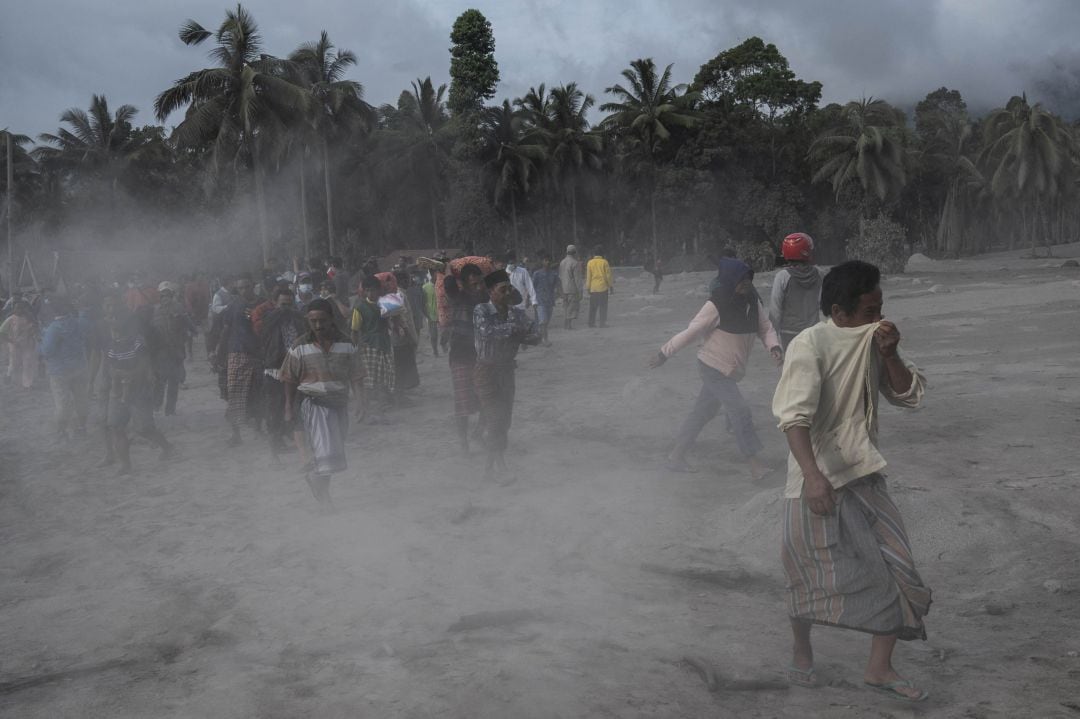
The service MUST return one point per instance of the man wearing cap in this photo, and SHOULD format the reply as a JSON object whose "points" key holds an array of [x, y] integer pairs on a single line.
{"points": [[500, 328], [572, 281], [174, 327]]}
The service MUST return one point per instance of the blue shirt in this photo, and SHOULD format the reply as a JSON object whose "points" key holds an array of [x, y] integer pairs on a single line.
{"points": [[63, 345], [546, 283]]}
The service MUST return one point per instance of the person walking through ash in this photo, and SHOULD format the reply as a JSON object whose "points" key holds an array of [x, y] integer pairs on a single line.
{"points": [[727, 325], [318, 372], [795, 301], [845, 551], [572, 279], [500, 329]]}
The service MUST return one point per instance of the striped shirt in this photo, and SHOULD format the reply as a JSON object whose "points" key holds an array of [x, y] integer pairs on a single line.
{"points": [[322, 373]]}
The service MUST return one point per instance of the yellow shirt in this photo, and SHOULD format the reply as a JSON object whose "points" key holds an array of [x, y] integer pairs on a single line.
{"points": [[598, 275], [831, 380]]}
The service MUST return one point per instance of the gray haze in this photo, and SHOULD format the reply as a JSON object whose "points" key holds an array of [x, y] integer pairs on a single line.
{"points": [[56, 53]]}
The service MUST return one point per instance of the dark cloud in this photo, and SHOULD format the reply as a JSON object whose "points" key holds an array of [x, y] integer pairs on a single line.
{"points": [[57, 53]]}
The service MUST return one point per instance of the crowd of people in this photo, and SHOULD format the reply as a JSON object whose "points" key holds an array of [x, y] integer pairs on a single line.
{"points": [[301, 352]]}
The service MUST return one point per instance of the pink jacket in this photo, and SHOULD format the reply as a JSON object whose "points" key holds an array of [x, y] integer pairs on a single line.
{"points": [[721, 350]]}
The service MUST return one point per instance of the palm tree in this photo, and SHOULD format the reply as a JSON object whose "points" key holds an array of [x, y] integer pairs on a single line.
{"points": [[1029, 156], [509, 156], [572, 148], [238, 107], [643, 115], [418, 125], [98, 142], [865, 145], [337, 104]]}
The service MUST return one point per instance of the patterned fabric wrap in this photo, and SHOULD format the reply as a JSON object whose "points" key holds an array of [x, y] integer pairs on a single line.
{"points": [[242, 382], [378, 368], [853, 567], [465, 402]]}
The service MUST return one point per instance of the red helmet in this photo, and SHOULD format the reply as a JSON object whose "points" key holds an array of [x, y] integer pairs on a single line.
{"points": [[798, 246]]}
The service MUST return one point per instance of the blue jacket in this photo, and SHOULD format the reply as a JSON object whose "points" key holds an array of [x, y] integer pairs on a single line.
{"points": [[63, 345]]}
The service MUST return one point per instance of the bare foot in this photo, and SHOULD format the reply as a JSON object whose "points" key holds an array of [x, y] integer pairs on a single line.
{"points": [[758, 469], [895, 685]]}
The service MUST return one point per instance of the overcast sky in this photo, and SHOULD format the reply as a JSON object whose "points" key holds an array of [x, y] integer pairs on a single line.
{"points": [[56, 53]]}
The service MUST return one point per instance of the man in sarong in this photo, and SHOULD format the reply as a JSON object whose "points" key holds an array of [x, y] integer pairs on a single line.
{"points": [[463, 294], [244, 368], [846, 553], [280, 329], [371, 334], [500, 329], [317, 373]]}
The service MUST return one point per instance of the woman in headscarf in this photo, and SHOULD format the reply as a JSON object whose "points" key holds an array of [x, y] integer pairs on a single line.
{"points": [[726, 325]]}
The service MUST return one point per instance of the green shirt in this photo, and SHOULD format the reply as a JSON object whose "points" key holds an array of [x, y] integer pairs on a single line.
{"points": [[431, 308]]}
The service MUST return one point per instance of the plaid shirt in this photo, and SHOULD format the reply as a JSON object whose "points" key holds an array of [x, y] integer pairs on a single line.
{"points": [[497, 339]]}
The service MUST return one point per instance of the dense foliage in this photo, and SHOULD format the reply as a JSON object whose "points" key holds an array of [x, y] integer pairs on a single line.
{"points": [[282, 156]]}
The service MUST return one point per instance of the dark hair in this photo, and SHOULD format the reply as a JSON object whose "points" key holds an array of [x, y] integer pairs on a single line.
{"points": [[370, 282], [402, 278], [543, 255], [471, 270], [598, 251], [846, 283], [510, 256], [282, 291], [244, 276], [320, 305]]}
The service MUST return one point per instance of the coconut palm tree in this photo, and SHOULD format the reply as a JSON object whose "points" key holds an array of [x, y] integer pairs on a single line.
{"points": [[337, 105], [239, 107], [643, 116], [571, 147], [1029, 158], [416, 133], [865, 146], [98, 142], [509, 156]]}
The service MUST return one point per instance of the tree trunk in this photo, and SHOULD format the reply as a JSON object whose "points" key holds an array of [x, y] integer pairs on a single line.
{"points": [[329, 199], [303, 205], [514, 220], [260, 198], [573, 211], [9, 211], [434, 218], [652, 213]]}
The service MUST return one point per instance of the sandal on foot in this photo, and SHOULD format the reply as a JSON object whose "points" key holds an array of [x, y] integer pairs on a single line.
{"points": [[890, 689], [803, 677]]}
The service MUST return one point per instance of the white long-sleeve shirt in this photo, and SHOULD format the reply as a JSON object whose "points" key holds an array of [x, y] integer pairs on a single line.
{"points": [[522, 282], [831, 381]]}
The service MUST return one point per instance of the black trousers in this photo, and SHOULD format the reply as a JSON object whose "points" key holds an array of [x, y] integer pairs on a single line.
{"points": [[598, 305]]}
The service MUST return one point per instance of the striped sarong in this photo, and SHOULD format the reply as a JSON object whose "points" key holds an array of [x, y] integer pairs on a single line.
{"points": [[378, 368], [465, 402], [326, 426], [853, 568]]}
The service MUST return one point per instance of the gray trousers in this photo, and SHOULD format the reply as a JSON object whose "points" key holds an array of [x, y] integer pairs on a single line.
{"points": [[717, 390]]}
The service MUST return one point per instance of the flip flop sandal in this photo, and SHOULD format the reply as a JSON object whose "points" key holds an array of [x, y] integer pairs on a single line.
{"points": [[806, 678], [890, 689]]}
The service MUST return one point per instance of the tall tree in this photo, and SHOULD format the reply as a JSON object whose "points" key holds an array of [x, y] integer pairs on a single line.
{"points": [[865, 146], [337, 105], [571, 147], [509, 157], [1029, 155], [245, 98], [642, 118], [98, 142], [415, 134], [473, 70]]}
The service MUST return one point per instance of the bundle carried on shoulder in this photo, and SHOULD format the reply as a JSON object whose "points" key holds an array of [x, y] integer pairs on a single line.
{"points": [[440, 270]]}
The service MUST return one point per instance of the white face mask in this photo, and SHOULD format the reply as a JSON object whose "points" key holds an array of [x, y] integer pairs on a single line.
{"points": [[305, 288]]}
